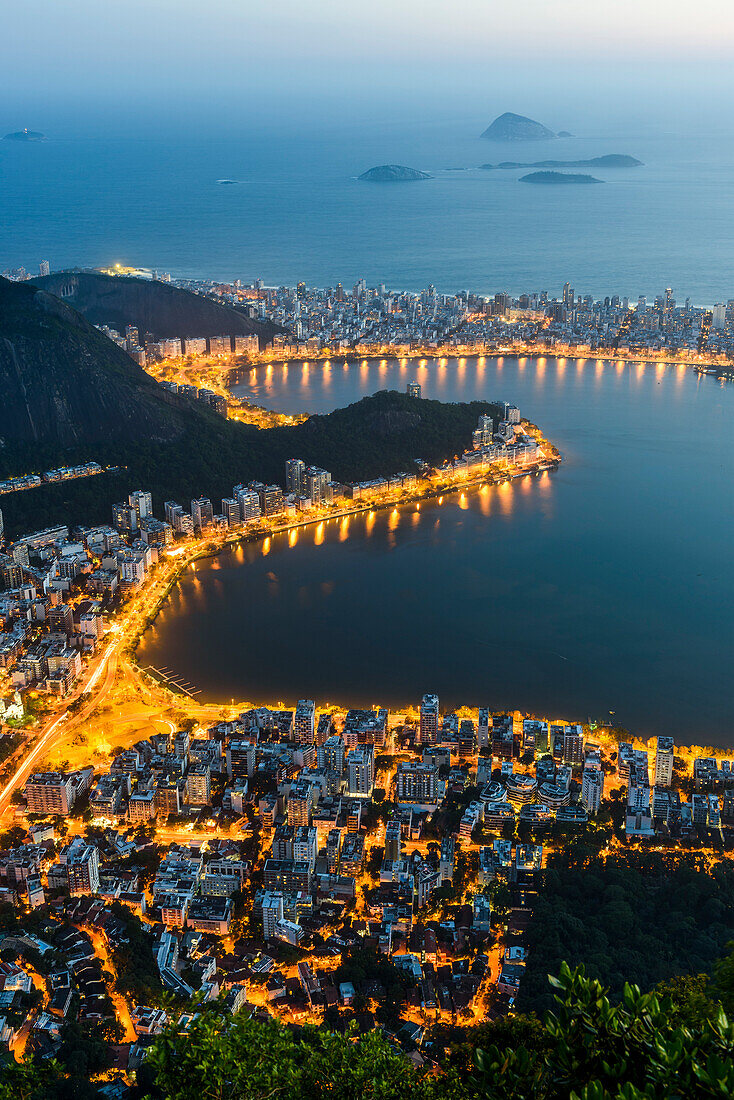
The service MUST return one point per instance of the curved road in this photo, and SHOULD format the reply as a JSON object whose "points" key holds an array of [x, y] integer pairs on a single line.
{"points": [[101, 678]]}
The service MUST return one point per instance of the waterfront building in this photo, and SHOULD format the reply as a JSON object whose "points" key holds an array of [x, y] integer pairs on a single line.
{"points": [[414, 389], [248, 502], [231, 511], [295, 476], [202, 513], [317, 483]]}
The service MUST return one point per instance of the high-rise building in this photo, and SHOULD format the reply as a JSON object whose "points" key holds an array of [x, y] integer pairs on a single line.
{"points": [[2, 528], [305, 845], [592, 787], [394, 839], [483, 724], [295, 473], [198, 785], [49, 793], [202, 513], [573, 745], [249, 504], [330, 755], [82, 867], [300, 804], [333, 850], [44, 268], [271, 498], [664, 762], [240, 759], [304, 723], [142, 502], [416, 782], [414, 389], [317, 484], [231, 511], [428, 729], [125, 519], [361, 772], [272, 913]]}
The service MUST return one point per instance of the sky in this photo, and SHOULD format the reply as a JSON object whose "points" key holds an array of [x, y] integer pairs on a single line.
{"points": [[270, 56]]}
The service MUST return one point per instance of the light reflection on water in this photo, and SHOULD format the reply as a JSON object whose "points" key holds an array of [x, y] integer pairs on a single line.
{"points": [[605, 586]]}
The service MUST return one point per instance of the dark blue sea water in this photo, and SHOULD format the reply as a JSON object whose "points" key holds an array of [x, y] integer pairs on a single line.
{"points": [[607, 586], [149, 197]]}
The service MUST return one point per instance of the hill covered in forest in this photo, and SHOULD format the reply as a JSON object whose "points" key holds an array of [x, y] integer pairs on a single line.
{"points": [[159, 308]]}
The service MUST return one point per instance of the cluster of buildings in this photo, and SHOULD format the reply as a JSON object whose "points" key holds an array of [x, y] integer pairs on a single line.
{"points": [[318, 831], [62, 473], [145, 348], [365, 320], [55, 589]]}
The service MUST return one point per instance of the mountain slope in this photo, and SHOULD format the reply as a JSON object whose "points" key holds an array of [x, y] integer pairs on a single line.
{"points": [[63, 383], [159, 308], [70, 395]]}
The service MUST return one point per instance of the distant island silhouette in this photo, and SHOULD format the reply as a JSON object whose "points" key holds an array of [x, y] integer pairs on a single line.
{"points": [[393, 173], [554, 178], [511, 127], [611, 160], [25, 135]]}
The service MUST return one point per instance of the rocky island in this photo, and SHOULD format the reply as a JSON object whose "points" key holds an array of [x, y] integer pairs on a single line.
{"points": [[554, 178], [510, 127], [25, 135], [393, 173], [611, 160]]}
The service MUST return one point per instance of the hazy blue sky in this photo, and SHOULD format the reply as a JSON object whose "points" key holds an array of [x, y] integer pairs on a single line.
{"points": [[240, 56]]}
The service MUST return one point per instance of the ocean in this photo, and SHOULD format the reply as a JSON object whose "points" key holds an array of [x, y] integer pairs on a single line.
{"points": [[150, 198]]}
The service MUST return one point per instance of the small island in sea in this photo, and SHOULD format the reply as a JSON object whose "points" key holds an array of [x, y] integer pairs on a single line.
{"points": [[225, 182], [554, 178], [611, 160], [25, 135], [393, 173], [510, 127]]}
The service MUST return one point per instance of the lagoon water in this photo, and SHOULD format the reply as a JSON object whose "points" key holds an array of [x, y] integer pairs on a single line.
{"points": [[604, 587]]}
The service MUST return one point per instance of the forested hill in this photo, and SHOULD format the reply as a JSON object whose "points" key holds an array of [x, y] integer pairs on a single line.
{"points": [[158, 308], [379, 435], [64, 384]]}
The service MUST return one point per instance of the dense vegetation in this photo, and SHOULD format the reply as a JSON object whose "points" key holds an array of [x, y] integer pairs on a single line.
{"points": [[159, 308], [642, 916], [674, 1042], [377, 436], [135, 965]]}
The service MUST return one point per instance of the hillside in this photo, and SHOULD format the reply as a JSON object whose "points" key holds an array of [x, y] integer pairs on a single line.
{"points": [[159, 308], [63, 383], [378, 435]]}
